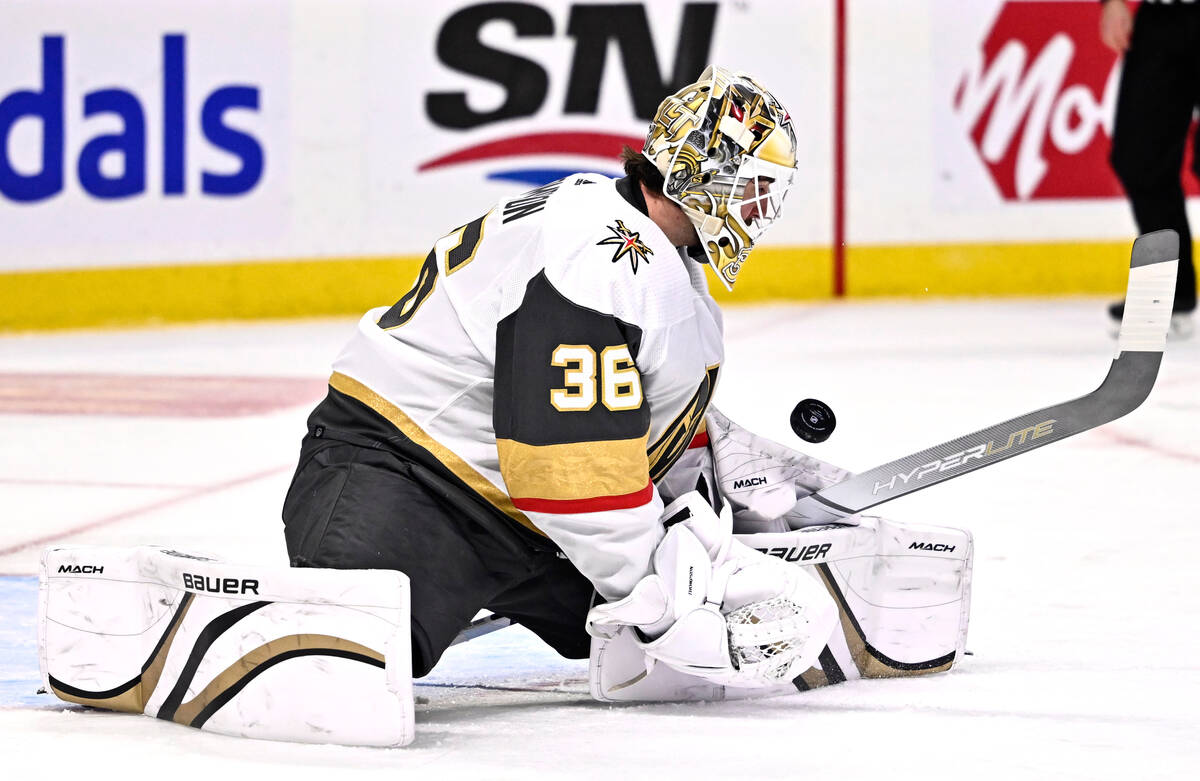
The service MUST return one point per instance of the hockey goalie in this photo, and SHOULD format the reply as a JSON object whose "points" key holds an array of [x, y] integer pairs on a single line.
{"points": [[529, 430]]}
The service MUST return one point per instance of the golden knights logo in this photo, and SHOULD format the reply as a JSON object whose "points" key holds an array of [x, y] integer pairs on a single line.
{"points": [[627, 243]]}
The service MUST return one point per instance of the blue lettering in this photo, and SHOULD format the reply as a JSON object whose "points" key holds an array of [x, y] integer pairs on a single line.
{"points": [[46, 105], [174, 106], [237, 143], [131, 144]]}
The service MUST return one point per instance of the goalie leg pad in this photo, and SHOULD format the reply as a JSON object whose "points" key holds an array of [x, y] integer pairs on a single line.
{"points": [[903, 593], [903, 603], [304, 655]]}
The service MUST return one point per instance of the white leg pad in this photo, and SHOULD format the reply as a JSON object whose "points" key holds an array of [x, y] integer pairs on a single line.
{"points": [[305, 655], [903, 594]]}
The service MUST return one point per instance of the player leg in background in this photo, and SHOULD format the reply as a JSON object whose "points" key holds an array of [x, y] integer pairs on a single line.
{"points": [[352, 507], [1154, 110]]}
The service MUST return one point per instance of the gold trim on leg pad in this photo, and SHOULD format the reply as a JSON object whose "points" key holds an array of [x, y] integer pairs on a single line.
{"points": [[132, 696], [234, 678], [870, 661]]}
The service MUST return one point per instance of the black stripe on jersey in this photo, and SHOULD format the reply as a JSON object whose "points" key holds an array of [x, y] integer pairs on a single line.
{"points": [[403, 310], [675, 440], [526, 341]]}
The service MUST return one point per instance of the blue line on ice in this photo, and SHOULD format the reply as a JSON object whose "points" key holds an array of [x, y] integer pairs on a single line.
{"points": [[19, 676]]}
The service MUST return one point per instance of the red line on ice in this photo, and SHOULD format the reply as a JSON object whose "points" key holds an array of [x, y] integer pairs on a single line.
{"points": [[126, 514], [89, 483], [152, 395], [1125, 439]]}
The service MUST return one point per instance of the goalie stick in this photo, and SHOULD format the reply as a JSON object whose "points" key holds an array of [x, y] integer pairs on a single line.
{"points": [[1140, 345], [483, 625], [1131, 376]]}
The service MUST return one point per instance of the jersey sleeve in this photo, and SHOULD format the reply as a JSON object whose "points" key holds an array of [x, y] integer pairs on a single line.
{"points": [[572, 424], [692, 471]]}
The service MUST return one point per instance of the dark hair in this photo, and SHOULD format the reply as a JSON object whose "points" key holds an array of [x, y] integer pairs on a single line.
{"points": [[640, 169]]}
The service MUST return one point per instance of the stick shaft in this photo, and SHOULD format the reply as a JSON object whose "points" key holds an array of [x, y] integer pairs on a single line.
{"points": [[1130, 378]]}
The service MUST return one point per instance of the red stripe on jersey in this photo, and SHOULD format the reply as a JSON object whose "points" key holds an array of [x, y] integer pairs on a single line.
{"points": [[591, 505], [700, 440]]}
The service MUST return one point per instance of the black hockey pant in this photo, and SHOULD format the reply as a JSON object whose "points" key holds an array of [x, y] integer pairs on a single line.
{"points": [[352, 507]]}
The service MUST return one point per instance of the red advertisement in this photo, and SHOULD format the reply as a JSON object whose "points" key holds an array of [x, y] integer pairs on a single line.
{"points": [[1039, 103]]}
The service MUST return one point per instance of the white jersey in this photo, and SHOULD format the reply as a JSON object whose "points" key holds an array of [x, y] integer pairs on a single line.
{"points": [[555, 357]]}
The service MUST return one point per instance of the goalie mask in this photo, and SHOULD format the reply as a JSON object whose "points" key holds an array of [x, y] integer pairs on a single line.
{"points": [[727, 153]]}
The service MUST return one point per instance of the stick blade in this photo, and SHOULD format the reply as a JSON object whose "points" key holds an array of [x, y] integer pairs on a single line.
{"points": [[1156, 247], [1151, 292]]}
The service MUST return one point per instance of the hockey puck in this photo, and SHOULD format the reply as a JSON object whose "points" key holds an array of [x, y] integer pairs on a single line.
{"points": [[813, 420]]}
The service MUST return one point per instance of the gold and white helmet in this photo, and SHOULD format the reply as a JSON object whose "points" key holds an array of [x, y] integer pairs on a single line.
{"points": [[727, 153]]}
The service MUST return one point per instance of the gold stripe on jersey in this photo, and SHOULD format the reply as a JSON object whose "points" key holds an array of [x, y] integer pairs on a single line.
{"points": [[575, 470], [459, 468], [675, 440]]}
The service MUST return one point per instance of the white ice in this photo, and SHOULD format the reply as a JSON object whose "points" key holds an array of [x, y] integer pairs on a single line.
{"points": [[1085, 625]]}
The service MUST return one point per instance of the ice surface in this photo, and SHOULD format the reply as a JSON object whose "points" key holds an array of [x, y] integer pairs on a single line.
{"points": [[1085, 625]]}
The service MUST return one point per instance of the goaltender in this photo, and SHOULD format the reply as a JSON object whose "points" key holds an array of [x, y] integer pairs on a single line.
{"points": [[529, 430], [509, 432]]}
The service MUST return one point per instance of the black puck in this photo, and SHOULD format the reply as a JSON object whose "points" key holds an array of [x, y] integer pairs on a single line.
{"points": [[813, 420]]}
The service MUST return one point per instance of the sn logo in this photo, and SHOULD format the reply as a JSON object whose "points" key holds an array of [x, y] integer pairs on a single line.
{"points": [[48, 106], [526, 84]]}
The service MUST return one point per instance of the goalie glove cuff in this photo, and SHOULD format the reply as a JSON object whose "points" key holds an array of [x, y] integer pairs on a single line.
{"points": [[679, 583], [698, 643], [646, 606]]}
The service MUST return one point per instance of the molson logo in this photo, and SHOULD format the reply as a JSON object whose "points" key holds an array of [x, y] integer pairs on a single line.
{"points": [[526, 84], [1039, 102]]}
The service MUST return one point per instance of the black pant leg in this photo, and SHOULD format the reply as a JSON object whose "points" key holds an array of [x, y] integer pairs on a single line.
{"points": [[352, 507], [1154, 110], [1187, 271], [553, 604]]}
